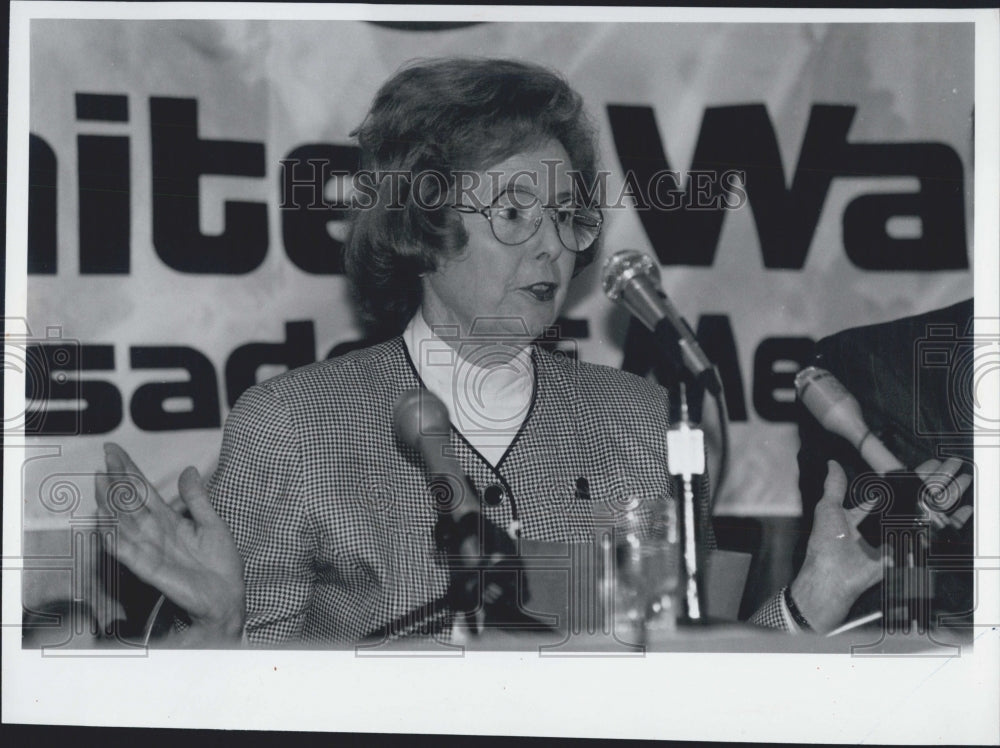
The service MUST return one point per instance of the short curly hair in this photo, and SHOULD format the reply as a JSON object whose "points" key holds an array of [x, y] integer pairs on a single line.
{"points": [[445, 115]]}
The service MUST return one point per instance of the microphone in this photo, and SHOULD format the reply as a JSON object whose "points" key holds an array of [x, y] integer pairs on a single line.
{"points": [[633, 279], [484, 566], [420, 420], [838, 412]]}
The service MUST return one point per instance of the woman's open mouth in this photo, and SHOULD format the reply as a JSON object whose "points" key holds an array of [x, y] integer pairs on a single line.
{"points": [[541, 291]]}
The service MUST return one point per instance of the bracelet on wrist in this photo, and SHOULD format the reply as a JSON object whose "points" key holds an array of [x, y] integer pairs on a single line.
{"points": [[800, 620]]}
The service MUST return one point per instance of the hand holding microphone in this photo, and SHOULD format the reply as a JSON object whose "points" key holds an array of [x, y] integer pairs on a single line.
{"points": [[839, 412]]}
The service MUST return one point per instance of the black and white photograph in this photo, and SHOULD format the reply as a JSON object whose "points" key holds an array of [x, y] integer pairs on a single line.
{"points": [[612, 370]]}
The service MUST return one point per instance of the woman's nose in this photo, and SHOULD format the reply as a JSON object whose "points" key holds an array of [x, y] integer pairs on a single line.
{"points": [[550, 242]]}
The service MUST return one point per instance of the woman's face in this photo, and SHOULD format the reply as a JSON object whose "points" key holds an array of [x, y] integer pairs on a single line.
{"points": [[493, 288]]}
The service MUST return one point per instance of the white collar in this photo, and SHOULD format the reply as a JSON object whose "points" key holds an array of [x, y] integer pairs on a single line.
{"points": [[487, 404]]}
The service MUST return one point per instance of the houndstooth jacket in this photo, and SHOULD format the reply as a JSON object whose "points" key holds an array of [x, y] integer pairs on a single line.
{"points": [[333, 515]]}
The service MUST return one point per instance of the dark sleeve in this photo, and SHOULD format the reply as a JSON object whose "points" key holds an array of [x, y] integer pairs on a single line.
{"points": [[853, 357], [816, 446], [907, 401]]}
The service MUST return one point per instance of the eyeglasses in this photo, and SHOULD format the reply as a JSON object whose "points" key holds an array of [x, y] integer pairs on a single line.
{"points": [[513, 222]]}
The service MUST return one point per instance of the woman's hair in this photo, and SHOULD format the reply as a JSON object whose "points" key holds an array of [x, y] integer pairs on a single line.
{"points": [[443, 116]]}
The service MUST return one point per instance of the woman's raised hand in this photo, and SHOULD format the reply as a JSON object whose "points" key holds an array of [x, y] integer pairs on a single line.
{"points": [[193, 561], [839, 564]]}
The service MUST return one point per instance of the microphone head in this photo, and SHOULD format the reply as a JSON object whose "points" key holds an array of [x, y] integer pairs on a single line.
{"points": [[622, 267], [806, 377], [826, 386], [417, 414], [839, 412], [831, 404]]}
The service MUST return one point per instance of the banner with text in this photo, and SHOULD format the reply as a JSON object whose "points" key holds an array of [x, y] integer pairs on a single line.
{"points": [[185, 234]]}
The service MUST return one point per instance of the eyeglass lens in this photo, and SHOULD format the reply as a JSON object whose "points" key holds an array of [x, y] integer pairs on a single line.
{"points": [[515, 223]]}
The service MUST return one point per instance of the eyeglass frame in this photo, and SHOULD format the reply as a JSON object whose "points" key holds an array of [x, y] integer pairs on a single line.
{"points": [[550, 210]]}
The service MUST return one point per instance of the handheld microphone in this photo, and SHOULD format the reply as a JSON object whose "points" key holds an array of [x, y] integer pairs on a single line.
{"points": [[633, 279], [838, 412]]}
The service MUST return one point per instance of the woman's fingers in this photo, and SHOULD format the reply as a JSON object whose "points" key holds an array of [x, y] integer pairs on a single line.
{"points": [[194, 561], [855, 515], [130, 527], [143, 524], [839, 522], [119, 501], [835, 485], [174, 503], [135, 495], [121, 482], [195, 497], [126, 543], [834, 490]]}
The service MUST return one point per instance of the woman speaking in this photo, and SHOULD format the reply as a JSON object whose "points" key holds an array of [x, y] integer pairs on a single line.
{"points": [[319, 525]]}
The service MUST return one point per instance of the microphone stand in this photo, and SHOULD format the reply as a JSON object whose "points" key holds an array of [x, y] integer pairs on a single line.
{"points": [[686, 458], [674, 360]]}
